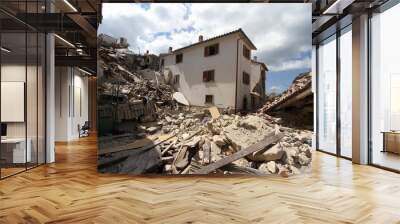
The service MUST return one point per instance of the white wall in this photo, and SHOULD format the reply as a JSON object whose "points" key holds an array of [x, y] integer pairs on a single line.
{"points": [[33, 126], [255, 75], [255, 78], [79, 118], [244, 66], [61, 103], [192, 67], [69, 82], [16, 73]]}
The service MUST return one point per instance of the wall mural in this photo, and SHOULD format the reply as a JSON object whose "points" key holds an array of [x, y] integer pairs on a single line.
{"points": [[181, 93]]}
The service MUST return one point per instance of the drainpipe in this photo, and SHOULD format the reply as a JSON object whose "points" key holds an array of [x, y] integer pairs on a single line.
{"points": [[237, 73]]}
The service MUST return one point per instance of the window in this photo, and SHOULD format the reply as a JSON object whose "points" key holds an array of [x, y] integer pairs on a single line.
{"points": [[345, 83], [246, 78], [211, 50], [176, 79], [246, 52], [22, 85], [385, 88], [162, 62], [327, 95], [208, 76], [178, 58], [209, 99], [263, 81]]}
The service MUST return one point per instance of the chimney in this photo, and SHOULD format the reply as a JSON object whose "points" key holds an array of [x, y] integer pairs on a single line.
{"points": [[254, 58], [147, 52], [170, 50], [200, 38]]}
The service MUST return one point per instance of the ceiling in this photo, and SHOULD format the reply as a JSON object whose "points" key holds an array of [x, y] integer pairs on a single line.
{"points": [[330, 15]]}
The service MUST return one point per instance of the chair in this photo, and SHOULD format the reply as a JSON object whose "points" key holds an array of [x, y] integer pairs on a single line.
{"points": [[84, 130]]}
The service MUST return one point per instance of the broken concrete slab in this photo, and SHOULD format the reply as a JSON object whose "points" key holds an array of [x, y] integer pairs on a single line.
{"points": [[242, 134], [152, 130], [180, 98], [276, 152], [219, 140], [214, 112]]}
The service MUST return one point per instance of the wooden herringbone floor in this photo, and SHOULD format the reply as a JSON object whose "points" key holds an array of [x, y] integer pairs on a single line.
{"points": [[71, 191]]}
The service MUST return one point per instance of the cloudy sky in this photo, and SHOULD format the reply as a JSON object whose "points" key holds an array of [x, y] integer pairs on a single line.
{"points": [[281, 32]]}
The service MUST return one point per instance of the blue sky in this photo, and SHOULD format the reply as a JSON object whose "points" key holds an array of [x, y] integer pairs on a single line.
{"points": [[281, 32], [280, 81]]}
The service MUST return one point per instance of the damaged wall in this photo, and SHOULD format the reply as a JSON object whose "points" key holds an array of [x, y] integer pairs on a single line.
{"points": [[194, 64], [243, 91], [257, 84]]}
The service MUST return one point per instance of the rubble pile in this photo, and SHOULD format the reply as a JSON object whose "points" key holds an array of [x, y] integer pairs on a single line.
{"points": [[124, 93], [144, 131], [300, 83], [157, 93], [229, 134], [197, 142]]}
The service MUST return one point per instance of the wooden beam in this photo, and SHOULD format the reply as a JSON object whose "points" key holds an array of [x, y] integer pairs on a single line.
{"points": [[268, 140]]}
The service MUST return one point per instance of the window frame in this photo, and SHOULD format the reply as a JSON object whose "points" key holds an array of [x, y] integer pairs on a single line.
{"points": [[206, 97], [209, 75], [207, 52], [177, 79], [245, 78], [246, 52], [179, 58]]}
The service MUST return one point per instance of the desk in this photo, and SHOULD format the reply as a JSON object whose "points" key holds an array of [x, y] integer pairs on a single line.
{"points": [[391, 141], [13, 150]]}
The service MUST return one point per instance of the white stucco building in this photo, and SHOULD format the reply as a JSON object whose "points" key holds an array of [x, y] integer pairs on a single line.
{"points": [[218, 71]]}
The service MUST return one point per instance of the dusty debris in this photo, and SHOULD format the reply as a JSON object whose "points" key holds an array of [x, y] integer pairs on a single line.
{"points": [[136, 102], [199, 145], [294, 107], [300, 84], [271, 139]]}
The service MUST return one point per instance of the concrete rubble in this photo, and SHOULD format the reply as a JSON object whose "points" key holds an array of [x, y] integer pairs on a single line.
{"points": [[148, 132], [198, 140], [300, 84], [294, 106]]}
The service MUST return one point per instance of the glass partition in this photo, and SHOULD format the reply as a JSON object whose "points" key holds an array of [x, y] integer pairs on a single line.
{"points": [[41, 97], [327, 97], [31, 98], [346, 92], [385, 89], [22, 77], [13, 94]]}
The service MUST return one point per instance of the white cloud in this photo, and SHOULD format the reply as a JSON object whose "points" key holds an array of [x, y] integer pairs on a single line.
{"points": [[276, 89], [292, 64], [281, 32]]}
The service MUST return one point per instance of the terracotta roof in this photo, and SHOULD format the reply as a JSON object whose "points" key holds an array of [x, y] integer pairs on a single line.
{"points": [[261, 63], [240, 31]]}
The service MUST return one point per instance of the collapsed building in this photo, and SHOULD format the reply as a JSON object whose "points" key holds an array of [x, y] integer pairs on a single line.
{"points": [[295, 105], [147, 127], [218, 71]]}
